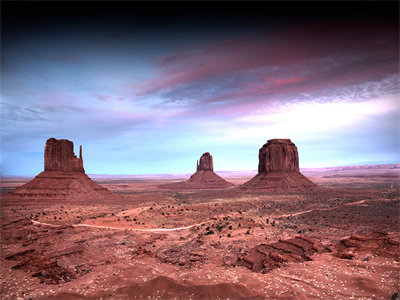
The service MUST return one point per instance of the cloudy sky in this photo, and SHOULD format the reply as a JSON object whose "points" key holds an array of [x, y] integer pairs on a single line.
{"points": [[148, 88]]}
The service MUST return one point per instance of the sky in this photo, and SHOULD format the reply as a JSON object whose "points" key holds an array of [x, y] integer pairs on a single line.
{"points": [[148, 88]]}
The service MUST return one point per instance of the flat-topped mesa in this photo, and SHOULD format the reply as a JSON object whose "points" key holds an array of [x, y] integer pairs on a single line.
{"points": [[59, 156], [206, 162], [278, 170], [279, 156]]}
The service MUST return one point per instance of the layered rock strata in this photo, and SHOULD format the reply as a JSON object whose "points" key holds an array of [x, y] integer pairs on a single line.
{"points": [[266, 257]]}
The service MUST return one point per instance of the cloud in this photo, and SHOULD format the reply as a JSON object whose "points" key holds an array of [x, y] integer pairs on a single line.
{"points": [[325, 61]]}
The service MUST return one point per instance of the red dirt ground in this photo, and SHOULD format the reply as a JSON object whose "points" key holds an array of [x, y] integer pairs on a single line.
{"points": [[189, 244]]}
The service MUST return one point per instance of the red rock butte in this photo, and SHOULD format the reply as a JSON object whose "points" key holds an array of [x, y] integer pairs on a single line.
{"points": [[278, 169], [204, 178], [63, 177], [206, 163], [59, 156]]}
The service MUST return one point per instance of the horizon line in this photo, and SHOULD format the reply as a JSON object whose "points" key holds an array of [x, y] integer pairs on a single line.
{"points": [[396, 164]]}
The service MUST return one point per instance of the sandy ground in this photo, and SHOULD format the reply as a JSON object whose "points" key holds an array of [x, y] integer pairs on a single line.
{"points": [[166, 244]]}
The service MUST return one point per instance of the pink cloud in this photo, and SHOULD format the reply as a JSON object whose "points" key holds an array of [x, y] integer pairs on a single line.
{"points": [[259, 68]]}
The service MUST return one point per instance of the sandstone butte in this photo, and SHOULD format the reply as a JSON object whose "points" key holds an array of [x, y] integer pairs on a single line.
{"points": [[63, 177], [204, 178], [278, 169]]}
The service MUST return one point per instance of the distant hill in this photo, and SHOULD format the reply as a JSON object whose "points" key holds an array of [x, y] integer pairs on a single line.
{"points": [[354, 167]]}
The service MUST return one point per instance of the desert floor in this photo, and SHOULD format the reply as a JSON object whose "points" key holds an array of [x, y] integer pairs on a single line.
{"points": [[152, 243]]}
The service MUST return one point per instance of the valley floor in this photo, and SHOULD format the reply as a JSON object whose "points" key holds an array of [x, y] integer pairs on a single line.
{"points": [[198, 244]]}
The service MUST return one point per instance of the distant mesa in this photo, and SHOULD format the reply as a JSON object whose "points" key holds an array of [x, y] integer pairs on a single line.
{"points": [[204, 178], [278, 169], [63, 177]]}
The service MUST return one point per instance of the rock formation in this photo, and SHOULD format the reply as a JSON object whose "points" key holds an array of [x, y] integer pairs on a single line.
{"points": [[278, 169], [369, 245], [63, 177], [206, 163], [204, 178], [278, 155], [59, 156], [266, 257]]}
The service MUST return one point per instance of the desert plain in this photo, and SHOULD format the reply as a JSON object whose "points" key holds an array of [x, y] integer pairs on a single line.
{"points": [[340, 241]]}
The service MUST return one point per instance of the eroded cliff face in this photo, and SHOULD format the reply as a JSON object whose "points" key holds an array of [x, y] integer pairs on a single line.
{"points": [[63, 178], [59, 156], [206, 162], [278, 169], [278, 155]]}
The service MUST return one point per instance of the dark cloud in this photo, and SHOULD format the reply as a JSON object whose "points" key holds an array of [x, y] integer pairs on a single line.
{"points": [[342, 60]]}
